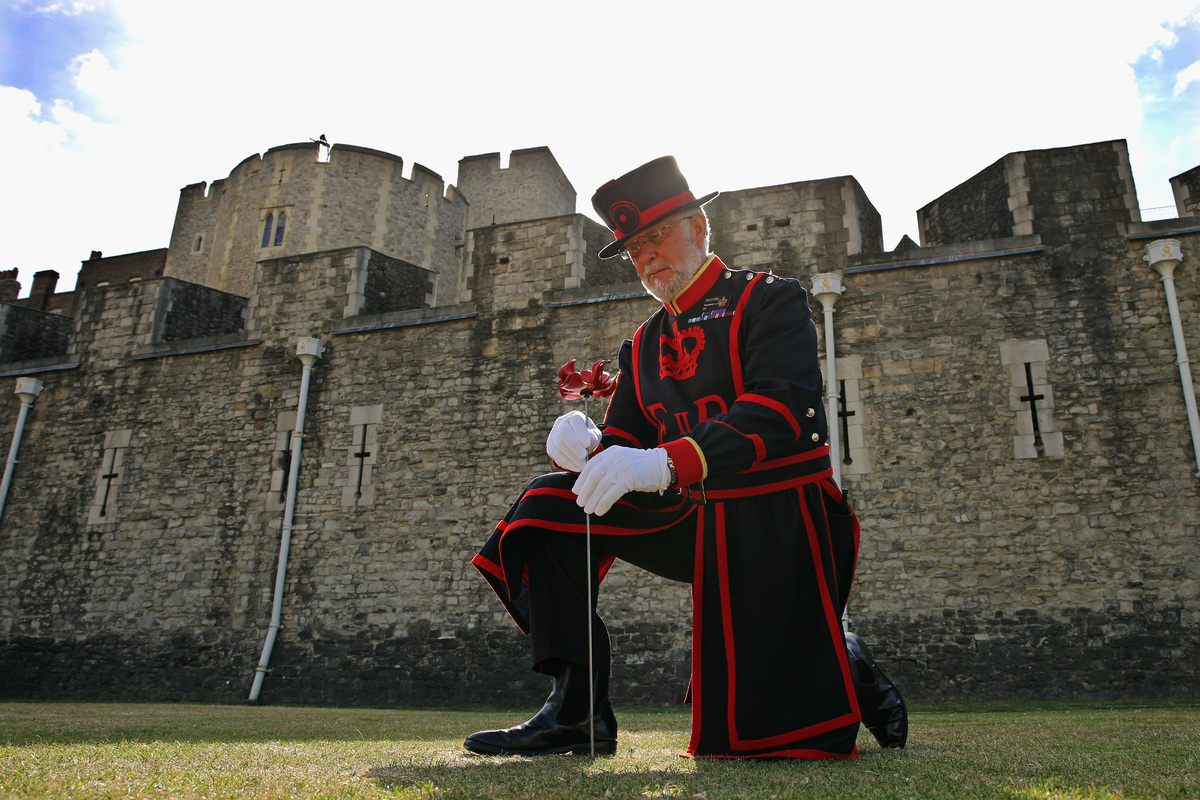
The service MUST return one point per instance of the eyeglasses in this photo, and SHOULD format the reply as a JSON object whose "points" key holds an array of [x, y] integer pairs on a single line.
{"points": [[655, 236]]}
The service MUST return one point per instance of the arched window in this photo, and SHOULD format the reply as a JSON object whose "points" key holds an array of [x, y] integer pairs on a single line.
{"points": [[279, 228], [266, 240]]}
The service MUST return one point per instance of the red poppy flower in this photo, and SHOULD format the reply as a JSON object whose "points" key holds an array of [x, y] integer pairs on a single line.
{"points": [[594, 382]]}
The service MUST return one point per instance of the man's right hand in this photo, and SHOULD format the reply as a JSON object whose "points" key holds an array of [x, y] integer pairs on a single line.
{"points": [[571, 440]]}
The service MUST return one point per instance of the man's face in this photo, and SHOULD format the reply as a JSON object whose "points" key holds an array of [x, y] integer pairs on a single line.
{"points": [[667, 265]]}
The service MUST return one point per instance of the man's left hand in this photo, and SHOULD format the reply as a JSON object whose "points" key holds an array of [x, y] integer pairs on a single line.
{"points": [[613, 472]]}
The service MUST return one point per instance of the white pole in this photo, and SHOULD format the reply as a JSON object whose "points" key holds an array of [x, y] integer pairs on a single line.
{"points": [[827, 288], [1164, 255], [591, 676], [27, 390], [308, 350]]}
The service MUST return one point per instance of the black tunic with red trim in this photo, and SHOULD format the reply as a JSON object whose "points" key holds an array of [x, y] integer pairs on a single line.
{"points": [[726, 379]]}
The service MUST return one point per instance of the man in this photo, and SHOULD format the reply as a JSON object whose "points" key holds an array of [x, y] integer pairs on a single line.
{"points": [[712, 467]]}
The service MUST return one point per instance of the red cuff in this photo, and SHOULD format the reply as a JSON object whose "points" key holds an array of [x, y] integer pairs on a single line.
{"points": [[689, 461]]}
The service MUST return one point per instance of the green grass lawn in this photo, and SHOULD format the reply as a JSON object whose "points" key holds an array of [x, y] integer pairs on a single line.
{"points": [[1069, 751]]}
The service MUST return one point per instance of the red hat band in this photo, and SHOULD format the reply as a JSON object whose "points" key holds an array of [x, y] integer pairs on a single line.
{"points": [[641, 198], [627, 217]]}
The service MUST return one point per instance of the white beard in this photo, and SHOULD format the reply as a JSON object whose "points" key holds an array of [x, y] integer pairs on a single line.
{"points": [[681, 274]]}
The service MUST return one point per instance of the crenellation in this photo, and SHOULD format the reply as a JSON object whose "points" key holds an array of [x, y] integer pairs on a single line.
{"points": [[978, 546], [533, 186], [357, 196]]}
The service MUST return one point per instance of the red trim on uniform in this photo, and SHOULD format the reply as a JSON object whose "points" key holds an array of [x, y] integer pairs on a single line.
{"points": [[775, 406], [621, 434], [760, 447], [487, 565], [735, 332], [798, 458], [754, 491], [660, 210], [697, 288], [831, 619], [807, 754], [597, 527], [697, 628], [637, 382], [727, 628], [688, 459], [831, 489], [735, 741]]}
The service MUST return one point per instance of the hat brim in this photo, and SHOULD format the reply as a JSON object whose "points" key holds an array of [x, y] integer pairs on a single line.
{"points": [[614, 248]]}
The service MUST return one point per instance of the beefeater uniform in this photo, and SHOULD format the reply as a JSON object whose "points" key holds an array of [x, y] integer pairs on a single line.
{"points": [[726, 379]]}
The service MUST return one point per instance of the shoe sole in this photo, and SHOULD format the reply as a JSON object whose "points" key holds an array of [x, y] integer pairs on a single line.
{"points": [[583, 749]]}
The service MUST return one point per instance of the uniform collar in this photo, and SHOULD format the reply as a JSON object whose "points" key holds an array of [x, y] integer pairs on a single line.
{"points": [[698, 287]]}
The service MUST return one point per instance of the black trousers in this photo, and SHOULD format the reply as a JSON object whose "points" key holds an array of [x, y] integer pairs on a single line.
{"points": [[558, 585]]}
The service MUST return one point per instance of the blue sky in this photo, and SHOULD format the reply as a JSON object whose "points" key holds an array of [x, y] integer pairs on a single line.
{"points": [[109, 107], [38, 45], [1168, 79]]}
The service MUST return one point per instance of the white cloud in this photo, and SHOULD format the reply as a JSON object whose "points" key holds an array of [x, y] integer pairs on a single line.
{"points": [[25, 128], [92, 73], [1187, 77], [56, 7], [912, 99]]}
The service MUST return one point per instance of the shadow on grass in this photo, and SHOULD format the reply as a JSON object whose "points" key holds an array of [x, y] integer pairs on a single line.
{"points": [[649, 763], [637, 774], [101, 723]]}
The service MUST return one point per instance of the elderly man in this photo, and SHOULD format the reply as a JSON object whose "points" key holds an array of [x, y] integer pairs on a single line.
{"points": [[712, 467]]}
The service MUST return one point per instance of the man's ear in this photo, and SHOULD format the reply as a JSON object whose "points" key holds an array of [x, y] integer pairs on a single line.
{"points": [[698, 227]]}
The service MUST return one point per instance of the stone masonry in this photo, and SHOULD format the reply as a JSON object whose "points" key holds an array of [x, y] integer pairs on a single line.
{"points": [[357, 197], [1029, 499]]}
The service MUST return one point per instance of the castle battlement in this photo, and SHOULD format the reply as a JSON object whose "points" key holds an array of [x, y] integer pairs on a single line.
{"points": [[288, 201], [532, 186], [1008, 401]]}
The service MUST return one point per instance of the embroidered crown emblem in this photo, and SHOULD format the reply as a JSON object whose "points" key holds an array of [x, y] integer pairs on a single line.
{"points": [[680, 354]]}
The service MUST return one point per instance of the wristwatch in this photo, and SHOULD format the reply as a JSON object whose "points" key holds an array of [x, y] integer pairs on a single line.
{"points": [[674, 484]]}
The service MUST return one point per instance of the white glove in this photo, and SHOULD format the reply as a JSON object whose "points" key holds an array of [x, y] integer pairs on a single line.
{"points": [[618, 470], [571, 440]]}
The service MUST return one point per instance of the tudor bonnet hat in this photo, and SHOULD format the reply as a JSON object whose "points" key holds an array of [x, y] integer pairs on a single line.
{"points": [[639, 198]]}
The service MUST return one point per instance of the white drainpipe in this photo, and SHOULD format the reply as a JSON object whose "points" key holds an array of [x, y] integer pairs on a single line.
{"points": [[827, 288], [1164, 255], [308, 350], [27, 390]]}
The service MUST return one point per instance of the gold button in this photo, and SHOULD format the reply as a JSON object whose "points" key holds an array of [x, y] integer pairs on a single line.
{"points": [[816, 437], [771, 279], [812, 412], [749, 276], [728, 274]]}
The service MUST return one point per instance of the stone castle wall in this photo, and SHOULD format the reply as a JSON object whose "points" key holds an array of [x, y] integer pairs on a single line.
{"points": [[117, 269], [517, 264], [29, 334], [1059, 194], [1069, 570], [1186, 189], [358, 197], [791, 228], [532, 186], [190, 311], [999, 559]]}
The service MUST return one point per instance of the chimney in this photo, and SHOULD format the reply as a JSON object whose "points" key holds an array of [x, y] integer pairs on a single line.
{"points": [[43, 288], [10, 287]]}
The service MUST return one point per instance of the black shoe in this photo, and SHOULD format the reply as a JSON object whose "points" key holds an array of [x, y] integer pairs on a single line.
{"points": [[545, 733], [883, 710]]}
